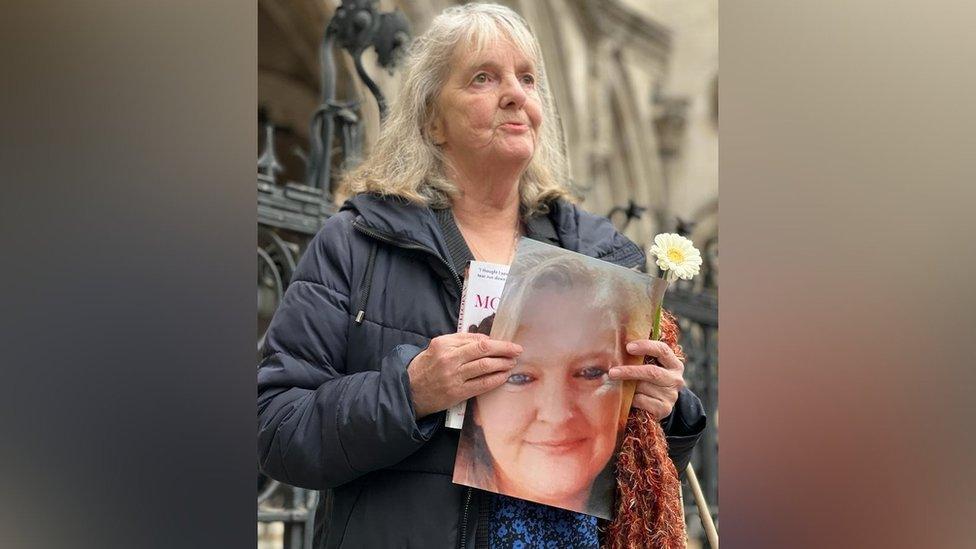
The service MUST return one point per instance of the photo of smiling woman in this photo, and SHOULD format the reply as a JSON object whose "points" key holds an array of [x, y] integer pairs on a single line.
{"points": [[549, 433]]}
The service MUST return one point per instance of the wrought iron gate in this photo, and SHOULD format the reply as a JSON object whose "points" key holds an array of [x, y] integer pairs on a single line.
{"points": [[697, 313], [290, 214]]}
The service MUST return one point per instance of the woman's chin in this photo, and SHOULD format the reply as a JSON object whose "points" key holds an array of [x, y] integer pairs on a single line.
{"points": [[514, 153], [570, 498], [552, 491]]}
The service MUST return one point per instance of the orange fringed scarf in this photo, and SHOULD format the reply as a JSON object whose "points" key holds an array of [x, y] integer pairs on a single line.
{"points": [[648, 499]]}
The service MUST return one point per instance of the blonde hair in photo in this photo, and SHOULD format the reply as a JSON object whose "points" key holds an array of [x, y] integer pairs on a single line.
{"points": [[626, 302]]}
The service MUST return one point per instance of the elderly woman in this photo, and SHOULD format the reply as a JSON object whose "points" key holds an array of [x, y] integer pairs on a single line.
{"points": [[361, 359]]}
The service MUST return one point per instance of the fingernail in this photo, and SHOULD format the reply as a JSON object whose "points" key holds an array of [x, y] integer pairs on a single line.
{"points": [[631, 347]]}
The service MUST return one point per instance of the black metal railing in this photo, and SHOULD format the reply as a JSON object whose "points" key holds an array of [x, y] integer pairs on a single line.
{"points": [[289, 214], [695, 304], [697, 314]]}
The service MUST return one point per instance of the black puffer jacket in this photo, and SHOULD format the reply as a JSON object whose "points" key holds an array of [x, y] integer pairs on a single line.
{"points": [[334, 408]]}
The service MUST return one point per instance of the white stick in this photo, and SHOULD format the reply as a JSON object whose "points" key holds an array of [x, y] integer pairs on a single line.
{"points": [[704, 513]]}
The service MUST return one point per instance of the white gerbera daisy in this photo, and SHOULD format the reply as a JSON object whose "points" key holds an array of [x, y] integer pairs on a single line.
{"points": [[676, 256]]}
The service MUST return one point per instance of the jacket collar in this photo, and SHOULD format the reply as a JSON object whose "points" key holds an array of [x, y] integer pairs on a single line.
{"points": [[403, 223], [537, 227]]}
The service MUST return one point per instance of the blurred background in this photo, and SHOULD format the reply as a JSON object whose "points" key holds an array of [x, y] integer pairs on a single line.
{"points": [[636, 86]]}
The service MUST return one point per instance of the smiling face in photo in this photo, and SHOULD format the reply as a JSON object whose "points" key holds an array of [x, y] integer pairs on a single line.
{"points": [[552, 427]]}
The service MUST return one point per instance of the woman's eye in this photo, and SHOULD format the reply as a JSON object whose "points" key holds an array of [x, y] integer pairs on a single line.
{"points": [[480, 78], [519, 379], [592, 372], [528, 79]]}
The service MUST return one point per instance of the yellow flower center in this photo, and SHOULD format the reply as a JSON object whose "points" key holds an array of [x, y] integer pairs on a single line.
{"points": [[675, 255]]}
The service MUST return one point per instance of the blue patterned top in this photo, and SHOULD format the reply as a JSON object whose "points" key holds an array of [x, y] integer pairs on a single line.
{"points": [[517, 524]]}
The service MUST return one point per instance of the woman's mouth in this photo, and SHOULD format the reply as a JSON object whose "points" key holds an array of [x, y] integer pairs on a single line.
{"points": [[515, 127], [561, 446]]}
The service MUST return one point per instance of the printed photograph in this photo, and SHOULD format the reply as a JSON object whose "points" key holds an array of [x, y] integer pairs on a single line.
{"points": [[549, 433]]}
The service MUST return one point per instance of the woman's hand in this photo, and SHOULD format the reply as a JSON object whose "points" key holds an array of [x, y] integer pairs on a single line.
{"points": [[456, 367], [657, 386]]}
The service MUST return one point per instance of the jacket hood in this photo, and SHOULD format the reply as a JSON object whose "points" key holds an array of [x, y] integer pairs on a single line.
{"points": [[399, 220], [577, 230]]}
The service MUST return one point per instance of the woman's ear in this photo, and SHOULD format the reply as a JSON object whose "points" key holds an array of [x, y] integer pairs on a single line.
{"points": [[435, 129], [436, 133]]}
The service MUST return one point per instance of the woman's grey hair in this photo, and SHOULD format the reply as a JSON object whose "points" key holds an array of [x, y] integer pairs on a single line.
{"points": [[405, 162]]}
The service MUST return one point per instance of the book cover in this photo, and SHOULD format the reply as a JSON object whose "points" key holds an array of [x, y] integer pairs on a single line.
{"points": [[480, 295], [550, 432]]}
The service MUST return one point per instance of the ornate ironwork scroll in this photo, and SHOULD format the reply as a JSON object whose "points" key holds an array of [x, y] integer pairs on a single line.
{"points": [[631, 212], [289, 215], [355, 27]]}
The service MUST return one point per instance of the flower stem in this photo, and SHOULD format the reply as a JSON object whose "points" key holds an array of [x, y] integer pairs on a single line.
{"points": [[656, 327]]}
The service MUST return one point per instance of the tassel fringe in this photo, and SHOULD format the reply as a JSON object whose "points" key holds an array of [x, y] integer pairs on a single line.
{"points": [[648, 511]]}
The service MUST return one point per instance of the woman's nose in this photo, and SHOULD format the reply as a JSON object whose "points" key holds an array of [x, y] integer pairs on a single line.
{"points": [[512, 93], [555, 404]]}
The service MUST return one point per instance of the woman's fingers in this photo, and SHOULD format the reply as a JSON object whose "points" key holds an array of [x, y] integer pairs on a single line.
{"points": [[666, 394], [475, 386], [457, 366], [448, 342], [655, 399], [656, 375], [656, 407], [484, 366], [657, 349], [442, 346], [485, 347], [667, 373]]}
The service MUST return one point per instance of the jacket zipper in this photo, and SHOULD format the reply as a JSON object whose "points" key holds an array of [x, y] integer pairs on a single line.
{"points": [[464, 518], [364, 292], [457, 280], [409, 246]]}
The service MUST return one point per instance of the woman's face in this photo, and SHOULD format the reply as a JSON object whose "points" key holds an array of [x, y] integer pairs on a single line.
{"points": [[552, 427], [488, 109]]}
